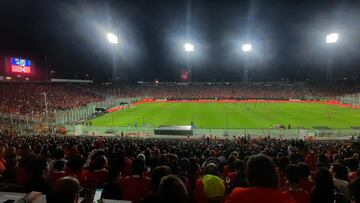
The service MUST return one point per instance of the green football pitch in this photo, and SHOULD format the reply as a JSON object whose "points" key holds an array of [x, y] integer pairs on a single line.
{"points": [[233, 115]]}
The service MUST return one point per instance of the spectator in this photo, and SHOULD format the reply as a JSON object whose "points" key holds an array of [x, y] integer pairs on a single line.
{"points": [[237, 178], [66, 190], [172, 190], [293, 177], [324, 189], [340, 177], [199, 192], [100, 174], [305, 180], [58, 170], [354, 189], [157, 174], [112, 189], [263, 181], [136, 186], [230, 166], [37, 169], [76, 169], [214, 188], [58, 155]]}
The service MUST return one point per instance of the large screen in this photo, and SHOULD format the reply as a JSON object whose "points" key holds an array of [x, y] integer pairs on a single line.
{"points": [[19, 65]]}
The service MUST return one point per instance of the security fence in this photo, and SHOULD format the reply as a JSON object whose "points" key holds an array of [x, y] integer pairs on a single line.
{"points": [[224, 133], [353, 99], [75, 115], [64, 117]]}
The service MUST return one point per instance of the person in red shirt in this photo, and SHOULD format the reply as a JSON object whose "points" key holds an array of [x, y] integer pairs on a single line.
{"points": [[353, 165], [126, 170], [136, 187], [305, 180], [76, 170], [263, 181], [237, 178], [72, 150], [199, 193], [157, 174], [354, 188], [310, 159], [2, 159], [66, 190], [228, 168], [293, 177], [58, 172], [172, 190], [214, 188], [100, 174], [324, 189]]}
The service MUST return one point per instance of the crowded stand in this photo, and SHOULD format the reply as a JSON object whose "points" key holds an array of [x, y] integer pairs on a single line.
{"points": [[180, 171], [28, 98], [250, 91]]}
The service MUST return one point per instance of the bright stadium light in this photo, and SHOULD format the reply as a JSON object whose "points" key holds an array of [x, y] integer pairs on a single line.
{"points": [[332, 38], [189, 47], [113, 39], [246, 47]]}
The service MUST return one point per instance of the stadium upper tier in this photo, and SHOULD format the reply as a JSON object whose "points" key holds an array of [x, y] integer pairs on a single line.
{"points": [[29, 98]]}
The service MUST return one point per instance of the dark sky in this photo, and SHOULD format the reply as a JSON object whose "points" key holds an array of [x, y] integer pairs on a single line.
{"points": [[288, 37]]}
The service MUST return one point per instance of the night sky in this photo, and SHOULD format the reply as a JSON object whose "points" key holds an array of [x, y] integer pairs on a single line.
{"points": [[288, 37]]}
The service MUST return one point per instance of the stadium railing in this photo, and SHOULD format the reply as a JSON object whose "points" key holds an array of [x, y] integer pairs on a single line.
{"points": [[63, 117], [353, 99], [148, 132], [85, 112]]}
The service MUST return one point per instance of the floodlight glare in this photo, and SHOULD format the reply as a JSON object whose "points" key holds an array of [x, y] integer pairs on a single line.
{"points": [[189, 47], [332, 38], [246, 47], [113, 39]]}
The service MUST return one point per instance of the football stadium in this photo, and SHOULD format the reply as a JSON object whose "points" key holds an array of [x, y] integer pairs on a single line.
{"points": [[180, 101]]}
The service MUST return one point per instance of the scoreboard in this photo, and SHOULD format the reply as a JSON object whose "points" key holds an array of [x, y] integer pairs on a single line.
{"points": [[19, 65], [21, 68]]}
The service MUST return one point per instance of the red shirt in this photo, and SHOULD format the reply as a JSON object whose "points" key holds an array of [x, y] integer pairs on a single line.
{"points": [[81, 175], [199, 193], [21, 176], [2, 167], [258, 195], [135, 188], [98, 177], [226, 170], [3, 161], [352, 176], [72, 152], [57, 175], [301, 196], [306, 185], [231, 178], [127, 170], [310, 160]]}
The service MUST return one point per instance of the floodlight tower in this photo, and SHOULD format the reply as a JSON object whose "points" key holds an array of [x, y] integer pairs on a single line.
{"points": [[246, 48], [331, 39], [113, 39], [189, 48]]}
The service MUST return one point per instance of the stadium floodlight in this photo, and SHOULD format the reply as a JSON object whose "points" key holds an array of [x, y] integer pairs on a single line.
{"points": [[189, 47], [246, 47], [113, 39], [332, 38]]}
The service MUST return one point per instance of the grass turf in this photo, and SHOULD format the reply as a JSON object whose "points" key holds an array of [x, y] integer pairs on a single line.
{"points": [[233, 115]]}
